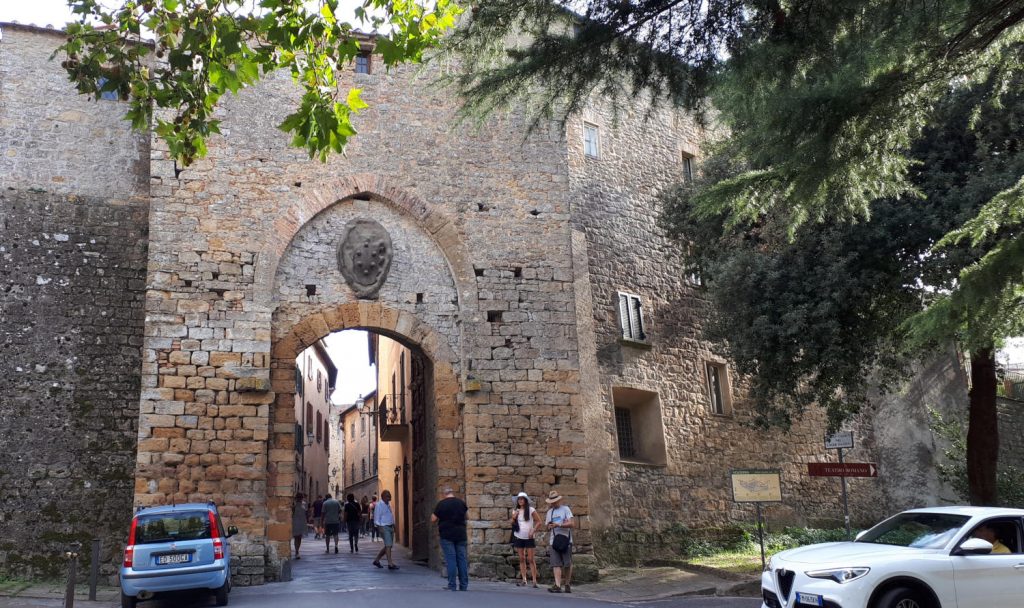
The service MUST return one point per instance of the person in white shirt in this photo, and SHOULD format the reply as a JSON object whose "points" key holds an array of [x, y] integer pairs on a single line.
{"points": [[560, 524], [525, 525], [384, 520]]}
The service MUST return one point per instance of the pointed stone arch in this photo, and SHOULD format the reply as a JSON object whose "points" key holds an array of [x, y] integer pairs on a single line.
{"points": [[431, 218]]}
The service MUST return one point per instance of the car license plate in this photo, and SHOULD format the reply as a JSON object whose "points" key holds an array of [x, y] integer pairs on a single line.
{"points": [[810, 599], [174, 558]]}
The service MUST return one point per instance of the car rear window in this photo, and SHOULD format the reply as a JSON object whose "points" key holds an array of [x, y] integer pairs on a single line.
{"points": [[171, 527], [917, 530]]}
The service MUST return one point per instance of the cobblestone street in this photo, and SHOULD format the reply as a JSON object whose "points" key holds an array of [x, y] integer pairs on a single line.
{"points": [[326, 579]]}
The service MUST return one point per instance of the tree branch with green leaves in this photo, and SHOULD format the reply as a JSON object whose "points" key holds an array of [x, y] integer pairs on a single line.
{"points": [[173, 60]]}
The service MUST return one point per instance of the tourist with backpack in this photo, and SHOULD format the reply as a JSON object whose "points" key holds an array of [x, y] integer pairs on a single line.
{"points": [[559, 524]]}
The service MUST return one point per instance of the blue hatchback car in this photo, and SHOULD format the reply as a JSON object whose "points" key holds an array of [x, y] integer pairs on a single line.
{"points": [[176, 548]]}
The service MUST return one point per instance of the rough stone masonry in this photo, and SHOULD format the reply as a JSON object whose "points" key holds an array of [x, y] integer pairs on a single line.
{"points": [[151, 315]]}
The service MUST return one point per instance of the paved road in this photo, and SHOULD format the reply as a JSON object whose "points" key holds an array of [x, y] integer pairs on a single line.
{"points": [[351, 581]]}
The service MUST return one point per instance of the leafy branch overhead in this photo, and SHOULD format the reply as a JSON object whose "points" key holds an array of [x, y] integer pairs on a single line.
{"points": [[173, 60]]}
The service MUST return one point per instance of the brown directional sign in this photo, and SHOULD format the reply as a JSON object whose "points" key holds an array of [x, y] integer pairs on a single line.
{"points": [[842, 469]]}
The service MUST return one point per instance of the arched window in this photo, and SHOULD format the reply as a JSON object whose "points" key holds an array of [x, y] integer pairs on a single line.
{"points": [[309, 414], [319, 427]]}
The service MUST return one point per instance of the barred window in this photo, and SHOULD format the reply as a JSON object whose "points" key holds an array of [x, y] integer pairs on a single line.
{"points": [[624, 428]]}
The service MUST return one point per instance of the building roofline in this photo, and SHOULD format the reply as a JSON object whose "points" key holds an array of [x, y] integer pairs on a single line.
{"points": [[31, 27]]}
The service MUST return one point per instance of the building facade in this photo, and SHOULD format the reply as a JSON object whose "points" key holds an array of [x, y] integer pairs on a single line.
{"points": [[361, 446], [558, 345], [315, 376]]}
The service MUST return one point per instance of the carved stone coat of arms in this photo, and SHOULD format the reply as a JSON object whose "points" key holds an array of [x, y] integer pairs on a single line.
{"points": [[364, 257]]}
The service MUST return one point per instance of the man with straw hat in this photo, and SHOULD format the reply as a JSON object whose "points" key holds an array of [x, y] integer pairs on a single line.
{"points": [[560, 524]]}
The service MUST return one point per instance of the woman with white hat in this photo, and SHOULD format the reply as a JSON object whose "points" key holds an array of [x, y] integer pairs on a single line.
{"points": [[525, 524]]}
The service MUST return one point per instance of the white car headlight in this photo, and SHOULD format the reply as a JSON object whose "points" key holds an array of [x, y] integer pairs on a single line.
{"points": [[839, 575], [768, 565]]}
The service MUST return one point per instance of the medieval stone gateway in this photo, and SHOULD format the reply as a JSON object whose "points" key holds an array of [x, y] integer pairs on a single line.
{"points": [[151, 315]]}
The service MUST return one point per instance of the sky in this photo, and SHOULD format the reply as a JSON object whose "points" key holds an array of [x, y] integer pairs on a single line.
{"points": [[56, 12], [349, 351]]}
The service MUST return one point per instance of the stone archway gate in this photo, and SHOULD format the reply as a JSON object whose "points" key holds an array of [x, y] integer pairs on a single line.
{"points": [[216, 304]]}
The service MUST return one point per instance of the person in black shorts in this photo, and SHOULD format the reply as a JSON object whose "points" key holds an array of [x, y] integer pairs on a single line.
{"points": [[330, 519], [525, 524], [353, 519]]}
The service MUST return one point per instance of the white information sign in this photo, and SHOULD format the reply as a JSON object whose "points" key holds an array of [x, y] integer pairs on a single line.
{"points": [[842, 440]]}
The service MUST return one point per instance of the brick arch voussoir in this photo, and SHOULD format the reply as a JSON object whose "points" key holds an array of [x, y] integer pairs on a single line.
{"points": [[438, 224]]}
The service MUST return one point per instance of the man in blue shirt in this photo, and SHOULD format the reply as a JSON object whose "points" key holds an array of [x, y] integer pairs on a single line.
{"points": [[384, 520]]}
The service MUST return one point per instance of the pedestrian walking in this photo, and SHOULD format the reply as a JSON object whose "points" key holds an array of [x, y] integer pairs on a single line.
{"points": [[367, 519], [384, 520], [298, 521], [353, 519], [330, 521], [318, 506], [559, 524], [525, 524], [373, 529], [450, 517]]}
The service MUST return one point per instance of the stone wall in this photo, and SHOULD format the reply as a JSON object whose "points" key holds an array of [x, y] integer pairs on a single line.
{"points": [[73, 249], [1011, 433], [481, 283], [638, 504], [55, 140], [71, 279]]}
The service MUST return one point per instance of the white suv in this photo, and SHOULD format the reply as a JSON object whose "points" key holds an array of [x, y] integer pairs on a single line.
{"points": [[946, 557]]}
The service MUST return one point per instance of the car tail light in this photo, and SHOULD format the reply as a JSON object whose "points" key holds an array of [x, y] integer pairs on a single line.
{"points": [[129, 551], [218, 542]]}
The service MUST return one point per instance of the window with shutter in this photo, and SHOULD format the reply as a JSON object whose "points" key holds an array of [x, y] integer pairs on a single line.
{"points": [[631, 317], [688, 160], [718, 388], [591, 140]]}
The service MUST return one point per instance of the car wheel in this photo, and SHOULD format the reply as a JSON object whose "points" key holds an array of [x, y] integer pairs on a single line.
{"points": [[221, 594], [901, 597], [128, 601]]}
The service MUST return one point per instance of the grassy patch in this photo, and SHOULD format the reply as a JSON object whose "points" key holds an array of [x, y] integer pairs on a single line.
{"points": [[741, 554], [13, 586], [732, 561]]}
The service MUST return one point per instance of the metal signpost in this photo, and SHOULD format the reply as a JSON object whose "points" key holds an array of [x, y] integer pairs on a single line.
{"points": [[757, 486], [842, 440]]}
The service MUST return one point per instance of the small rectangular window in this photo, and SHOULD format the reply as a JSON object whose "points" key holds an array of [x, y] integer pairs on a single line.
{"points": [[624, 429], [688, 172], [639, 431], [591, 140], [718, 388], [363, 63], [106, 95], [631, 318]]}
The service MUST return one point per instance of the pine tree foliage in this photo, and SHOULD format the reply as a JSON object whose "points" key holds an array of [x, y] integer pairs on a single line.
{"points": [[823, 314], [825, 105]]}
